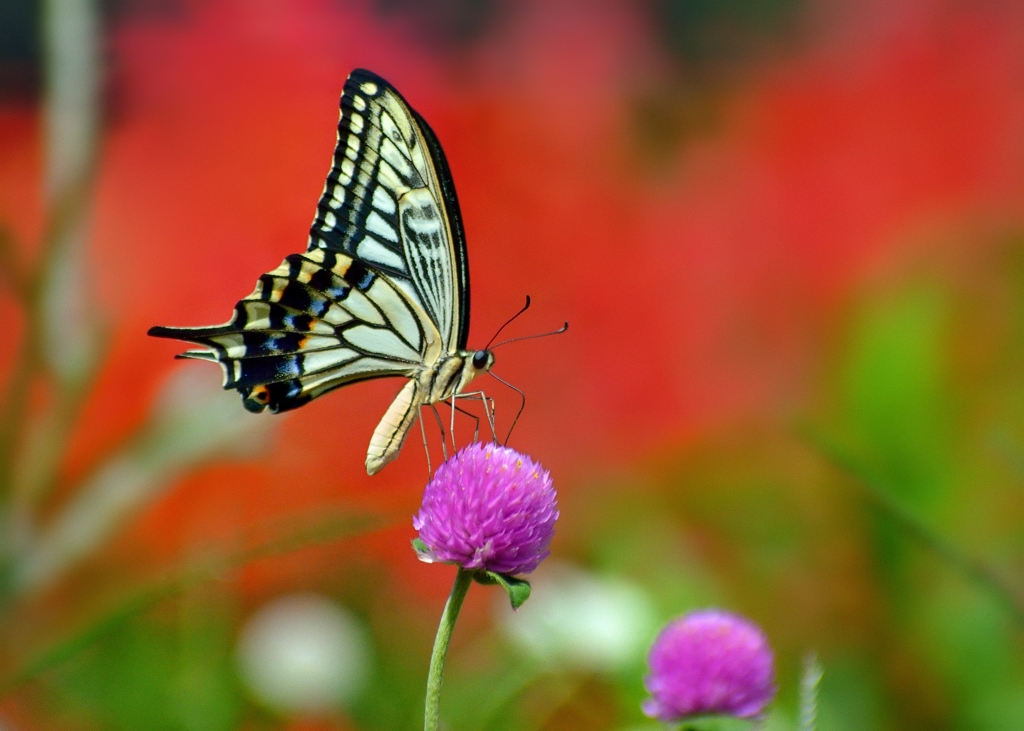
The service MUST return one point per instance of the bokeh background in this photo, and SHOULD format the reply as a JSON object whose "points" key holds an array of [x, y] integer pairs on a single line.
{"points": [[788, 236]]}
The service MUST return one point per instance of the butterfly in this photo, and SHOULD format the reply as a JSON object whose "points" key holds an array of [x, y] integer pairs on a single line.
{"points": [[382, 289]]}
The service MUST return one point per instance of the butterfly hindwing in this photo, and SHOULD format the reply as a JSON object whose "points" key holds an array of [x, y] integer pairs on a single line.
{"points": [[389, 201], [317, 322]]}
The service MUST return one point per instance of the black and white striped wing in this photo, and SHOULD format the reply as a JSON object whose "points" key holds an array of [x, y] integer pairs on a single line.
{"points": [[389, 201], [319, 321]]}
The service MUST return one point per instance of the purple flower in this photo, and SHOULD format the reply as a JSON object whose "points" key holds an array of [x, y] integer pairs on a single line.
{"points": [[488, 507], [709, 662]]}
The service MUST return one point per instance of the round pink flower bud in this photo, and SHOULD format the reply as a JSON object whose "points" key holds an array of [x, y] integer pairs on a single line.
{"points": [[488, 508], [709, 662]]}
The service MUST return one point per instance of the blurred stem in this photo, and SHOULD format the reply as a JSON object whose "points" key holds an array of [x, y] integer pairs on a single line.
{"points": [[12, 272], [13, 276], [12, 421], [872, 488], [45, 439], [70, 33], [432, 713], [809, 682], [28, 466]]}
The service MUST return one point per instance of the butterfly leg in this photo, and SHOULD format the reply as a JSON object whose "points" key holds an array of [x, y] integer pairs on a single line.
{"points": [[488, 404], [471, 415], [440, 425], [451, 429], [426, 449]]}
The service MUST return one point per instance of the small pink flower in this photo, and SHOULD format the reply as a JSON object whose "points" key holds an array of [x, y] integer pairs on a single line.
{"points": [[488, 507], [709, 662]]}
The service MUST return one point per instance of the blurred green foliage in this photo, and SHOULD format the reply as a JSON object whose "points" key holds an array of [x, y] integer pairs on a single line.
{"points": [[173, 674]]}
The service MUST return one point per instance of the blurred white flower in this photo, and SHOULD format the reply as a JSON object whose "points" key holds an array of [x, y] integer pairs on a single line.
{"points": [[581, 620], [303, 653]]}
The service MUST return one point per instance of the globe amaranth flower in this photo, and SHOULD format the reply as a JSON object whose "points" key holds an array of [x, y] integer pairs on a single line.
{"points": [[488, 508], [709, 662]]}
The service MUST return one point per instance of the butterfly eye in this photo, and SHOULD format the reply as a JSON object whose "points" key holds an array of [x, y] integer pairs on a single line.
{"points": [[480, 358]]}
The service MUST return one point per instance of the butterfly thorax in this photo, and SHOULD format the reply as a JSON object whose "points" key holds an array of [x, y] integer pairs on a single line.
{"points": [[452, 374], [447, 377]]}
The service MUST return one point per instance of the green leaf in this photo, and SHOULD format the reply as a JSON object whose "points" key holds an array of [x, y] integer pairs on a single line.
{"points": [[518, 590]]}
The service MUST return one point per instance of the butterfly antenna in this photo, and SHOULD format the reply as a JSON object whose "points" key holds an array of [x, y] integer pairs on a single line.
{"points": [[522, 404], [509, 322], [559, 331]]}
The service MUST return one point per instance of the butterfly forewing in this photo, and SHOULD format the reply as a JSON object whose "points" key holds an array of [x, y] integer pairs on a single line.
{"points": [[389, 201]]}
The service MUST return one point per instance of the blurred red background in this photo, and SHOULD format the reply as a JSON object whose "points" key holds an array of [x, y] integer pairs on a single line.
{"points": [[702, 224]]}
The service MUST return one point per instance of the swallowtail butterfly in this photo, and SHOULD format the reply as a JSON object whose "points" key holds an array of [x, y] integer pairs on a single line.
{"points": [[381, 290]]}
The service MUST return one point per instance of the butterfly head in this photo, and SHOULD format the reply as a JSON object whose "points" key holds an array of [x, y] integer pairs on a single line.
{"points": [[471, 363], [483, 360]]}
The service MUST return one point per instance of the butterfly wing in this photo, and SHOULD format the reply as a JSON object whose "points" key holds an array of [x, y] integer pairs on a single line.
{"points": [[390, 202], [319, 321]]}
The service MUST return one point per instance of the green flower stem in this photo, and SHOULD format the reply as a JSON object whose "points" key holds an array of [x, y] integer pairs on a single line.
{"points": [[432, 714]]}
